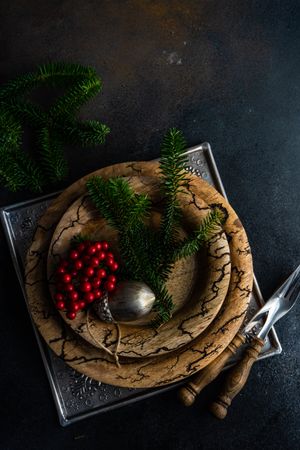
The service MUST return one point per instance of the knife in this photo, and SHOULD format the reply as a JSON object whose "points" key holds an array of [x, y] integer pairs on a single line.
{"points": [[254, 333]]}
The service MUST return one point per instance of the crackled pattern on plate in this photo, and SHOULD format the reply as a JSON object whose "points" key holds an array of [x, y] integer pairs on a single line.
{"points": [[198, 285], [142, 372]]}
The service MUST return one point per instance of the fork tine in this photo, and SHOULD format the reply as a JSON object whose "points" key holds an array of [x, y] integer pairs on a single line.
{"points": [[294, 283], [285, 287]]}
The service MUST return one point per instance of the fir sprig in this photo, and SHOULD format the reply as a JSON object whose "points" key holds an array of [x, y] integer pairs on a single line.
{"points": [[172, 167], [54, 128], [209, 227], [149, 255], [16, 168], [52, 156]]}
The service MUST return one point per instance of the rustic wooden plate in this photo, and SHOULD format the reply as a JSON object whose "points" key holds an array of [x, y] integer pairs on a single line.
{"points": [[141, 372], [198, 285]]}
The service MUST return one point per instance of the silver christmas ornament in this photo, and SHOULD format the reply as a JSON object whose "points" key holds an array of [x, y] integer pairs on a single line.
{"points": [[130, 301]]}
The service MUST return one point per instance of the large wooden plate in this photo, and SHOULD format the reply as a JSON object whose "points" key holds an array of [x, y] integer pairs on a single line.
{"points": [[141, 372], [198, 285]]}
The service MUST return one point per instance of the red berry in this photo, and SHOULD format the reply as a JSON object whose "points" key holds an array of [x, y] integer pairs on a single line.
{"points": [[96, 282], [69, 287], [112, 278], [109, 261], [59, 297], [71, 315], [104, 245], [60, 270], [66, 278], [74, 273], [81, 247], [101, 273], [85, 287], [91, 250], [114, 266], [110, 255], [86, 259], [60, 305], [74, 307], [89, 297], [81, 304], [109, 286], [95, 262], [101, 256], [74, 254], [97, 293], [78, 264], [89, 272], [74, 296], [98, 246]]}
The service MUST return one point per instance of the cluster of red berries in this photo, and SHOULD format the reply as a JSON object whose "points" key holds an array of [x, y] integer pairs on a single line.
{"points": [[84, 275]]}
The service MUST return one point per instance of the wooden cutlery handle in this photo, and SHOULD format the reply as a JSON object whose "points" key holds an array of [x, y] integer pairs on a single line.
{"points": [[189, 392], [236, 379]]}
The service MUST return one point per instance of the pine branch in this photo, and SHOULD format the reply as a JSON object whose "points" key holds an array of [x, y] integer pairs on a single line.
{"points": [[18, 86], [54, 127], [16, 168], [209, 226], [126, 212], [51, 155], [80, 93], [62, 74], [26, 112], [172, 167], [117, 202], [10, 131], [88, 133], [51, 74], [32, 176]]}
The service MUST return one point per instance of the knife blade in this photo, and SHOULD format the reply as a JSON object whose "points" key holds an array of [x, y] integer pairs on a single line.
{"points": [[254, 333]]}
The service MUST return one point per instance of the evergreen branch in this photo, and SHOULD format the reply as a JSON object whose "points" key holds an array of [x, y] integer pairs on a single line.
{"points": [[32, 175], [126, 212], [163, 306], [80, 93], [62, 74], [209, 226], [117, 202], [172, 167], [88, 133], [16, 168], [51, 74], [51, 155], [27, 112], [18, 86], [53, 127], [10, 131]]}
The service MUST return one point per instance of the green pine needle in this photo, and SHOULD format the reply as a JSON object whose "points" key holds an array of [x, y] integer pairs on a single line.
{"points": [[192, 244], [87, 134], [51, 155], [80, 93], [172, 167], [16, 168]]}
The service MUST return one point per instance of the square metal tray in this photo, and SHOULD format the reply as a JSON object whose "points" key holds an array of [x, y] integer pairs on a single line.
{"points": [[77, 396]]}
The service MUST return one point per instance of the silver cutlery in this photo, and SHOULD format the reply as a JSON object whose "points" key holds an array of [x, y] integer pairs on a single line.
{"points": [[254, 334]]}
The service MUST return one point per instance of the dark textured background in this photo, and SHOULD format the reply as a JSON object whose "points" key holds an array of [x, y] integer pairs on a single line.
{"points": [[223, 71]]}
